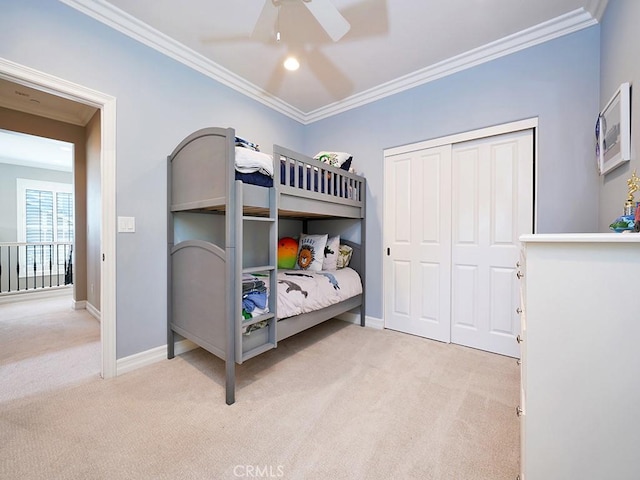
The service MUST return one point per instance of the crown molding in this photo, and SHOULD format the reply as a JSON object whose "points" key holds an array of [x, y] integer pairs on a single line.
{"points": [[121, 21], [140, 31], [557, 27]]}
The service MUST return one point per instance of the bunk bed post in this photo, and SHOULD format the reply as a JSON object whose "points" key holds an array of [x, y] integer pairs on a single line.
{"points": [[363, 249], [231, 249], [170, 241]]}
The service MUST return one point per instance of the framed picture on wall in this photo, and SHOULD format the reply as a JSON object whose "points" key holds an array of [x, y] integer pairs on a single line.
{"points": [[613, 131]]}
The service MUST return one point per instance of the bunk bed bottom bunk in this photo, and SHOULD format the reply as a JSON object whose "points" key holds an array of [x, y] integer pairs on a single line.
{"points": [[287, 327], [199, 307]]}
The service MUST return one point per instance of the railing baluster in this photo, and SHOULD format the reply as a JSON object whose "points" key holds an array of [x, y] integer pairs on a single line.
{"points": [[18, 266], [42, 264], [64, 261], [26, 268], [50, 264], [35, 268], [20, 273]]}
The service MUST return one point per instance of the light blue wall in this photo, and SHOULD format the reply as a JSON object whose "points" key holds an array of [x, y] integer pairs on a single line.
{"points": [[620, 62], [558, 82], [159, 102]]}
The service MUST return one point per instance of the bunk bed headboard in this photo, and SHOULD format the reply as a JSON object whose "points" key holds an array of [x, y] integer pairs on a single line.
{"points": [[200, 167]]}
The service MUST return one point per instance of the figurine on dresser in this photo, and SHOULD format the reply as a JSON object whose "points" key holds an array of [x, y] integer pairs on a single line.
{"points": [[630, 221]]}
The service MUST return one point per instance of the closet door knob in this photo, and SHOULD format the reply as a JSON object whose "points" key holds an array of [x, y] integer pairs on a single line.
{"points": [[518, 310], [519, 339], [518, 411], [519, 362], [519, 274]]}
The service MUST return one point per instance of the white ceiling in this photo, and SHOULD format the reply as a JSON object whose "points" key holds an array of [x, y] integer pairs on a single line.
{"points": [[31, 151], [392, 45]]}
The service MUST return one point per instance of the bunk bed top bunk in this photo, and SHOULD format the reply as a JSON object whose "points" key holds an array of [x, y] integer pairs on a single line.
{"points": [[203, 179]]}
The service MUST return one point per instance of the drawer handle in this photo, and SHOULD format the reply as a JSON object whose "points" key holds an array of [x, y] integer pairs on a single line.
{"points": [[518, 310], [519, 411], [519, 339], [519, 274]]}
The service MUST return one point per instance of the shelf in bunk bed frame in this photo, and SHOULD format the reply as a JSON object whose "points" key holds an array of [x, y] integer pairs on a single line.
{"points": [[200, 273]]}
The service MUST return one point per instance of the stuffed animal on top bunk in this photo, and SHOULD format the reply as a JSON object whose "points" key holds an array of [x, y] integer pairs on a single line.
{"points": [[341, 160]]}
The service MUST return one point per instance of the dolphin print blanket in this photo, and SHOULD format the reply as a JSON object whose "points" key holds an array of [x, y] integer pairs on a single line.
{"points": [[302, 291]]}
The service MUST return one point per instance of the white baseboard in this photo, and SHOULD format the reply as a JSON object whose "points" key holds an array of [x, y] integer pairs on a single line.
{"points": [[93, 311], [79, 304], [372, 322], [149, 357]]}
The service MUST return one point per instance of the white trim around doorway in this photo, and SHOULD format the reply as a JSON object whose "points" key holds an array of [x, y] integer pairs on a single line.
{"points": [[107, 104]]}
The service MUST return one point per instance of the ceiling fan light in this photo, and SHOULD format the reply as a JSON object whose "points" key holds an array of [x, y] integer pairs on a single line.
{"points": [[292, 64]]}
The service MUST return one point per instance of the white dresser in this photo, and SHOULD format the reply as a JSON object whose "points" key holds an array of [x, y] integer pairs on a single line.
{"points": [[580, 396]]}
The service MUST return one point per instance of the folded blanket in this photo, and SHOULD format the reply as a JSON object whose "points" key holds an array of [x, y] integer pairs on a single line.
{"points": [[250, 161]]}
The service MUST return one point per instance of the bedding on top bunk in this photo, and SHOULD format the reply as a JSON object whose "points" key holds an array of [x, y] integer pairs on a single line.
{"points": [[256, 168], [253, 166], [248, 172], [302, 291]]}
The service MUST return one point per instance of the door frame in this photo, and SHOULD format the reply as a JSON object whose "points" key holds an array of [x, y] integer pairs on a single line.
{"points": [[510, 127], [29, 77]]}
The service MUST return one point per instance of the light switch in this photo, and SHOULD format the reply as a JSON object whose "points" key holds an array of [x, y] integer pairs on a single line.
{"points": [[126, 224]]}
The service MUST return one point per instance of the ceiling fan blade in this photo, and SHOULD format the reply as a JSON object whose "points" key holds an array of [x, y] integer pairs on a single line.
{"points": [[329, 17], [264, 27]]}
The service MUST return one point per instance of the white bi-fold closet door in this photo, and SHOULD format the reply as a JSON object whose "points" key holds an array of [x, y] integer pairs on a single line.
{"points": [[453, 215]]}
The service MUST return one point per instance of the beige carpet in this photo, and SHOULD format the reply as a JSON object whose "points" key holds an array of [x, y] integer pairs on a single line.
{"points": [[45, 344], [336, 402]]}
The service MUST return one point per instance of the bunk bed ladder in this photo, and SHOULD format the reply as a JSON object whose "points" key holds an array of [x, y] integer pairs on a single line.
{"points": [[260, 340]]}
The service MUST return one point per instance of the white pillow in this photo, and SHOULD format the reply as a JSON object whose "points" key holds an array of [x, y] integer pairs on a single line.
{"points": [[331, 252], [311, 252]]}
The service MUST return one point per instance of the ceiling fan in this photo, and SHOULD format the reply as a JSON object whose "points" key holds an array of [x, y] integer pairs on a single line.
{"points": [[325, 13]]}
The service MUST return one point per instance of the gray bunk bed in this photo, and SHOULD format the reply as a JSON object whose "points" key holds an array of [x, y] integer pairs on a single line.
{"points": [[205, 277]]}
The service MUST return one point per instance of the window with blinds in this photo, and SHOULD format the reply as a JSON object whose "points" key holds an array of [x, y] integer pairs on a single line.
{"points": [[46, 213]]}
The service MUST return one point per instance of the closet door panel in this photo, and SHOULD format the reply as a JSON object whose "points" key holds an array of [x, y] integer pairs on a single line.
{"points": [[487, 191], [418, 201]]}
